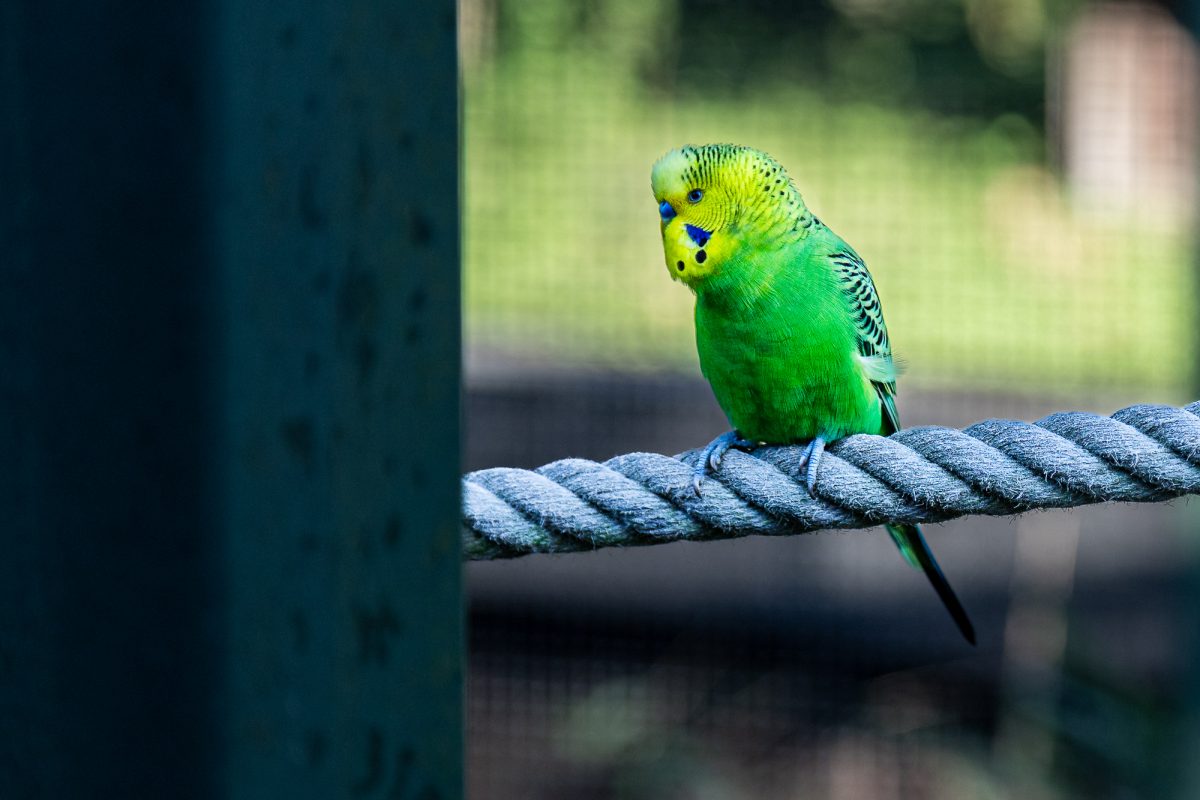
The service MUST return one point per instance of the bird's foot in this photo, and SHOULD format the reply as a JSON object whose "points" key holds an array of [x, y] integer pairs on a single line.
{"points": [[711, 455], [810, 460]]}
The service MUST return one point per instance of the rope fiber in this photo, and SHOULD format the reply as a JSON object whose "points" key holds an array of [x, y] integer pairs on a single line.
{"points": [[1144, 453]]}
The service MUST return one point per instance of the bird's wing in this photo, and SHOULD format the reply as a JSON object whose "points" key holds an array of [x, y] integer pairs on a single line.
{"points": [[875, 356], [874, 350]]}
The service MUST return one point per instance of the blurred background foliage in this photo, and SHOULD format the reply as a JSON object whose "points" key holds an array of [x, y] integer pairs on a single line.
{"points": [[916, 129], [1020, 175]]}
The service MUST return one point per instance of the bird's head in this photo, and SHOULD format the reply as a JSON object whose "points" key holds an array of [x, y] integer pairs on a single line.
{"points": [[715, 200]]}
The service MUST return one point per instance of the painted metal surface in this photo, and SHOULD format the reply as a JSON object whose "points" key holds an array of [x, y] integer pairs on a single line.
{"points": [[229, 305]]}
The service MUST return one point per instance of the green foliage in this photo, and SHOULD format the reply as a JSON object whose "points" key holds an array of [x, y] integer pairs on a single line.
{"points": [[988, 275]]}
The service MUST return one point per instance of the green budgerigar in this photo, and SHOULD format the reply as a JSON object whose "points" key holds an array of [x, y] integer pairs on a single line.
{"points": [[789, 326]]}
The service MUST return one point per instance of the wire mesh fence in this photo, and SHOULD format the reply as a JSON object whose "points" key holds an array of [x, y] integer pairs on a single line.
{"points": [[1019, 175]]}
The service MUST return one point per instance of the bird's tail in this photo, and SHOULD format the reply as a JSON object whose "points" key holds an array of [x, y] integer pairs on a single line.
{"points": [[912, 546]]}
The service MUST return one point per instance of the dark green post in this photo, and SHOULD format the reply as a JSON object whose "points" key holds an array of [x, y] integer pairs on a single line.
{"points": [[229, 380]]}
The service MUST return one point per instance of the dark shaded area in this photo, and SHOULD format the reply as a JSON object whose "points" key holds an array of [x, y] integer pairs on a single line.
{"points": [[921, 54], [930, 53], [220, 528], [729, 691], [111, 574], [516, 417]]}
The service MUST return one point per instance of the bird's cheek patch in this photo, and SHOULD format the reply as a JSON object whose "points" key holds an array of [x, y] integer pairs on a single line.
{"points": [[698, 235], [686, 261]]}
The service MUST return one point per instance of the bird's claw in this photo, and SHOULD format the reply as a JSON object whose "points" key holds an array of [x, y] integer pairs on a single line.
{"points": [[810, 460], [711, 455]]}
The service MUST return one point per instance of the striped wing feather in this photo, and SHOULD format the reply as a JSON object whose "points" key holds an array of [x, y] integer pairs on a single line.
{"points": [[875, 354], [873, 346]]}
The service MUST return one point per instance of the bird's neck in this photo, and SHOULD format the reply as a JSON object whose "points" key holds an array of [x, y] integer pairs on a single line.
{"points": [[751, 283], [774, 218], [774, 239]]}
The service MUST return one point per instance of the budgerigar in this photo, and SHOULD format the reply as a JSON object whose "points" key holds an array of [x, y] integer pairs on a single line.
{"points": [[788, 323]]}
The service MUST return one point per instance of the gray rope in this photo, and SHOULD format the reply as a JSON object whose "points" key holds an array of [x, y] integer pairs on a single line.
{"points": [[1144, 453]]}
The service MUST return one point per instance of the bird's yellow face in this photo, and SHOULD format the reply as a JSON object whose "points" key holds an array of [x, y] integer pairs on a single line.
{"points": [[696, 211], [719, 202]]}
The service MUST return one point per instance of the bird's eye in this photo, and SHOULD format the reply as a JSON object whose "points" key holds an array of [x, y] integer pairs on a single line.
{"points": [[665, 211], [694, 195]]}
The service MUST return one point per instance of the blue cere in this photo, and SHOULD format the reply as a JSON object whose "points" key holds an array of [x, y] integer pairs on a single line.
{"points": [[699, 235], [665, 211]]}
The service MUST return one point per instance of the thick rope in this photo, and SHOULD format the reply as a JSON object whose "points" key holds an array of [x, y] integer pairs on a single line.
{"points": [[1144, 453]]}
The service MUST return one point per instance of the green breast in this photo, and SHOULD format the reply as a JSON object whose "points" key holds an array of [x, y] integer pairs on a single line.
{"points": [[784, 368]]}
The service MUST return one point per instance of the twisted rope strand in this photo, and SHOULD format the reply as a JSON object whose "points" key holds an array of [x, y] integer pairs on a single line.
{"points": [[1144, 453]]}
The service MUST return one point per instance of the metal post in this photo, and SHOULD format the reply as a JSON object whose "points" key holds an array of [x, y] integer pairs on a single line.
{"points": [[229, 376]]}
